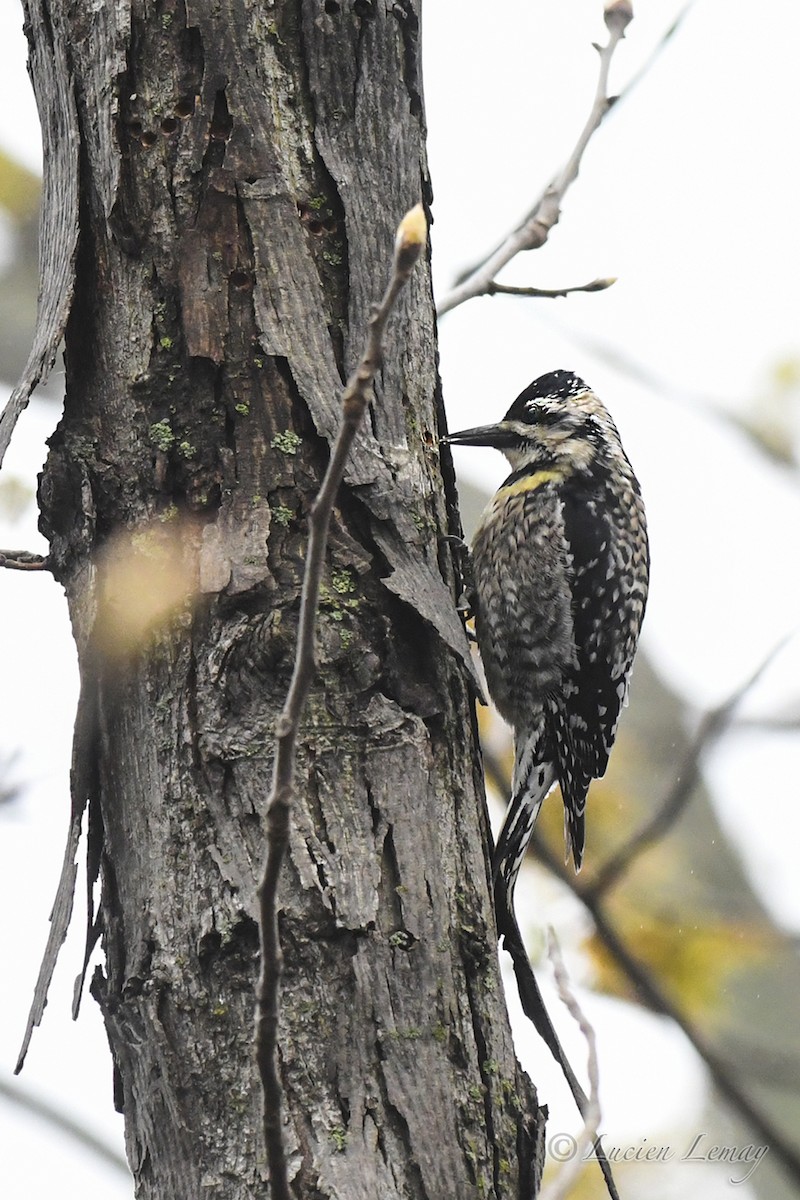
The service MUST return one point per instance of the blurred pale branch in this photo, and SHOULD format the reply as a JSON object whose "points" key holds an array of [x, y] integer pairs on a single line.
{"points": [[20, 1097], [478, 279], [773, 444], [561, 1186], [712, 726], [8, 791], [778, 723]]}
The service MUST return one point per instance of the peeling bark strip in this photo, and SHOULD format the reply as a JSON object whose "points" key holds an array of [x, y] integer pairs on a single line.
{"points": [[58, 225], [243, 166]]}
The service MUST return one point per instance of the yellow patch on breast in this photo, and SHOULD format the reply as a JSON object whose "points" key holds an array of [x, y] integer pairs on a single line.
{"points": [[529, 483]]}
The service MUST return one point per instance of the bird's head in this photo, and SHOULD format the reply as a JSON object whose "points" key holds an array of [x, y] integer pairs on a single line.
{"points": [[557, 420]]}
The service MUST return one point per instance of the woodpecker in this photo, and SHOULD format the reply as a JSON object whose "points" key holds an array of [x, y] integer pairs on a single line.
{"points": [[560, 567]]}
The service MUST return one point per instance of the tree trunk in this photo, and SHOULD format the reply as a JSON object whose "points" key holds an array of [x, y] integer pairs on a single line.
{"points": [[242, 167]]}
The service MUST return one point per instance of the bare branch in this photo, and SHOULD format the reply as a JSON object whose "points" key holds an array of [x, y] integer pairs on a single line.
{"points": [[535, 230], [411, 237], [654, 54], [469, 272], [568, 1176], [23, 560], [710, 729], [723, 410], [501, 289]]}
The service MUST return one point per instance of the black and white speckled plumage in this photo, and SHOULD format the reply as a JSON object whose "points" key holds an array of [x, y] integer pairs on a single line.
{"points": [[560, 568]]}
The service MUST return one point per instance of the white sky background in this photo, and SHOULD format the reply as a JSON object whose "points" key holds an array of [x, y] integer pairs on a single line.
{"points": [[689, 194]]}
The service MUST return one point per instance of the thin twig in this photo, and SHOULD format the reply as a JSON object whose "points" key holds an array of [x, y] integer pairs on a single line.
{"points": [[535, 230], [23, 560], [680, 793], [723, 1076], [411, 237], [501, 289], [468, 272], [568, 1176], [654, 54]]}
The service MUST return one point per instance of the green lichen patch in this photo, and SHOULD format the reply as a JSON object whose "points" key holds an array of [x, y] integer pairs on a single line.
{"points": [[340, 597], [161, 436], [281, 514], [338, 1137], [343, 582], [409, 1034], [287, 442]]}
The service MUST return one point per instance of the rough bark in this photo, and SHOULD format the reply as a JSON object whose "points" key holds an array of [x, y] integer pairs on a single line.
{"points": [[242, 168]]}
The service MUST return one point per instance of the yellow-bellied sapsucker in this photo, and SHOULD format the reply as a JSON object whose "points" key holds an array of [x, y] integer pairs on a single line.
{"points": [[560, 567]]}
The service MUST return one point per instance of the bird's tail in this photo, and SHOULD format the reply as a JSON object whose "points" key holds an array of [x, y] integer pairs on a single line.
{"points": [[581, 759], [533, 779]]}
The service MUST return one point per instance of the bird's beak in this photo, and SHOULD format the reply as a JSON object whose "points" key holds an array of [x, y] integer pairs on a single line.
{"points": [[500, 435]]}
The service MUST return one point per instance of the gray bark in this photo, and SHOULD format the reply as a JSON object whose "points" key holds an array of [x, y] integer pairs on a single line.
{"points": [[242, 168]]}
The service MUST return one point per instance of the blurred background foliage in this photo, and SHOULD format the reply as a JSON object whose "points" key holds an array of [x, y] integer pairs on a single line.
{"points": [[19, 219], [20, 189]]}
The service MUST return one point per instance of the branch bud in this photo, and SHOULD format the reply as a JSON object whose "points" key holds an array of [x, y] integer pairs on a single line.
{"points": [[618, 15], [412, 234]]}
